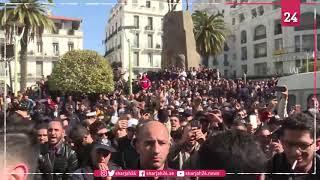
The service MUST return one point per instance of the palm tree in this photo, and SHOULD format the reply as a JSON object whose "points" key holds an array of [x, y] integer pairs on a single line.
{"points": [[30, 15], [210, 32]]}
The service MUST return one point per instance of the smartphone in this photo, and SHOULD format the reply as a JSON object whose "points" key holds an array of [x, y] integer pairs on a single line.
{"points": [[280, 88], [253, 121]]}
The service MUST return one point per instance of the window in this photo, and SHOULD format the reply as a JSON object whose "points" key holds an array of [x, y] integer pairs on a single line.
{"points": [[70, 46], [241, 17], [39, 68], [278, 44], [136, 21], [243, 37], [226, 73], [260, 32], [57, 27], [306, 22], [260, 10], [277, 5], [260, 69], [234, 56], [226, 47], [136, 40], [253, 13], [244, 69], [244, 53], [40, 46], [150, 23], [56, 49], [135, 59], [277, 27], [150, 41], [297, 43], [298, 63], [307, 42], [226, 62], [278, 67], [134, 2], [260, 50], [150, 59], [233, 21], [148, 4], [162, 24]]}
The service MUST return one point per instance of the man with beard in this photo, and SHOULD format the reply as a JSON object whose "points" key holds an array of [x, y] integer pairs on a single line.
{"points": [[181, 152], [56, 156]]}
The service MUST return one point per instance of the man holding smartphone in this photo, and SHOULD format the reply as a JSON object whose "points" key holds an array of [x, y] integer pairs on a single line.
{"points": [[182, 154]]}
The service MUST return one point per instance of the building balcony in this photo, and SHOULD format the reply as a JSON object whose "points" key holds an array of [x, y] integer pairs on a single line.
{"points": [[279, 52], [65, 32], [109, 52], [149, 28]]}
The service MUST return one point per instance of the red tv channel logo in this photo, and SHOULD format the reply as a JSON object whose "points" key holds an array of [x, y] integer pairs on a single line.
{"points": [[290, 12]]}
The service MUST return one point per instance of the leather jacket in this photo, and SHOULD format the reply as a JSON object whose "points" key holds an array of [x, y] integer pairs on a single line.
{"points": [[61, 160]]}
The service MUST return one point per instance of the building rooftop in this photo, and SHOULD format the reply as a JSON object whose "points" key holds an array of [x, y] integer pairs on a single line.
{"points": [[64, 18]]}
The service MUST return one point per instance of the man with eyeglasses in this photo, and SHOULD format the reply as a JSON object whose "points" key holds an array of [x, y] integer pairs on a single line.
{"points": [[99, 130], [300, 148]]}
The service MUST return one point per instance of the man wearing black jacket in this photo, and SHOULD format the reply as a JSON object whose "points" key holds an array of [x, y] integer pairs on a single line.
{"points": [[56, 156], [299, 146]]}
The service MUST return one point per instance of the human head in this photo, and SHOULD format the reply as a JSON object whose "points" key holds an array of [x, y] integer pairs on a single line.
{"points": [[81, 136], [55, 132], [42, 133], [101, 152], [175, 122], [264, 137], [233, 151], [98, 130], [298, 140], [21, 151], [152, 144]]}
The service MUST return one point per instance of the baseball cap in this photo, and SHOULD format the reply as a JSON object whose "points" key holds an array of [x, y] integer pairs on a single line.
{"points": [[104, 144]]}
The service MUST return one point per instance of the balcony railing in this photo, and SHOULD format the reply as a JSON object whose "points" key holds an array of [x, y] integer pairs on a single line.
{"points": [[109, 51], [148, 28], [71, 32]]}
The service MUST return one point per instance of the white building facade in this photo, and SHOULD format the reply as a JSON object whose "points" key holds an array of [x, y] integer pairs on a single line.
{"points": [[258, 44], [45, 52], [145, 39]]}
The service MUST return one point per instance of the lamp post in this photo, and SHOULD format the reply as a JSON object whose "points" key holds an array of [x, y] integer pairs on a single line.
{"points": [[17, 39], [129, 51]]}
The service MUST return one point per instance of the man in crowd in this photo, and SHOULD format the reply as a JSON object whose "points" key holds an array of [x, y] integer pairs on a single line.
{"points": [[42, 133], [182, 151], [57, 157], [82, 141], [100, 160], [299, 146], [233, 151], [153, 145]]}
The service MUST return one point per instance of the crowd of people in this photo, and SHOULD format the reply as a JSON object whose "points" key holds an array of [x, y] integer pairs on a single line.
{"points": [[175, 119]]}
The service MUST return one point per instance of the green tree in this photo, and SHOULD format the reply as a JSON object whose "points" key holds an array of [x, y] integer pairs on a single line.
{"points": [[82, 71], [30, 15], [210, 32]]}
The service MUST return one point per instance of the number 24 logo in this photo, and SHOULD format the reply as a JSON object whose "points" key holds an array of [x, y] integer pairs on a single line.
{"points": [[290, 18]]}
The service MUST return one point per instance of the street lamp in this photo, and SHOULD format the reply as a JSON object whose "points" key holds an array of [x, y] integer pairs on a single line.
{"points": [[130, 63], [17, 39]]}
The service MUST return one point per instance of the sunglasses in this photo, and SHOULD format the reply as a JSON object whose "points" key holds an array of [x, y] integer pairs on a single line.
{"points": [[101, 134]]}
